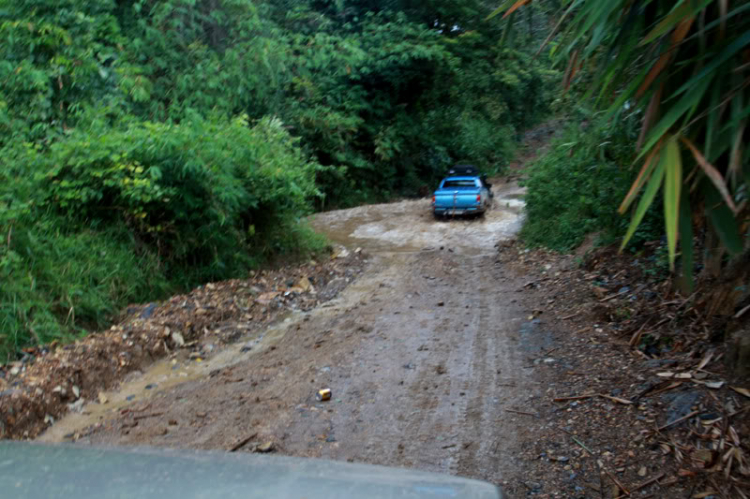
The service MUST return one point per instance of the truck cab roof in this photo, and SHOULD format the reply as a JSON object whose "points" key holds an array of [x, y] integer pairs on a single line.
{"points": [[463, 170]]}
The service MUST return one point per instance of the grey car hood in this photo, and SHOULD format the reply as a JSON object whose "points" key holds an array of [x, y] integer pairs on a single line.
{"points": [[31, 471]]}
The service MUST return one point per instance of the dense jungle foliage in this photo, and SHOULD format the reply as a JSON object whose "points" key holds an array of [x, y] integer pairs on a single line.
{"points": [[149, 145], [575, 188], [681, 70]]}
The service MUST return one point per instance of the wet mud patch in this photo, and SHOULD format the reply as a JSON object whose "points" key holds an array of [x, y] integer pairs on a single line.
{"points": [[409, 226]]}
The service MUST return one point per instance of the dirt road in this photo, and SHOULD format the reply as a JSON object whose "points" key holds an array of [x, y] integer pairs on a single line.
{"points": [[424, 356]]}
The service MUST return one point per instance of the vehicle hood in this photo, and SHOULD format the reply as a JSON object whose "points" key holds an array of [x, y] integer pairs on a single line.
{"points": [[32, 471]]}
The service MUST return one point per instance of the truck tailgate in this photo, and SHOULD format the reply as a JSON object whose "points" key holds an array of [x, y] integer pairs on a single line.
{"points": [[456, 200]]}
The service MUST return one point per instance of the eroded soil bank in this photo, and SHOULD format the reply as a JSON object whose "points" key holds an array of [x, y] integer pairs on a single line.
{"points": [[83, 377]]}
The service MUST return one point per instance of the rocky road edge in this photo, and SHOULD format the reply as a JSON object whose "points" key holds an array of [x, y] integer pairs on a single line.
{"points": [[54, 379]]}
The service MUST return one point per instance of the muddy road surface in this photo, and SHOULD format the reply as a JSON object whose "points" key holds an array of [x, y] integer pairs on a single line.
{"points": [[423, 354]]}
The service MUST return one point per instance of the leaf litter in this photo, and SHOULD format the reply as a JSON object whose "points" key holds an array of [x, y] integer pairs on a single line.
{"points": [[640, 397]]}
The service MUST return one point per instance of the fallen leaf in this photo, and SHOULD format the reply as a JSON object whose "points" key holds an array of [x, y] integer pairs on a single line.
{"points": [[305, 285], [715, 385], [267, 298], [710, 422], [705, 361], [617, 399], [742, 391], [103, 398], [735, 436]]}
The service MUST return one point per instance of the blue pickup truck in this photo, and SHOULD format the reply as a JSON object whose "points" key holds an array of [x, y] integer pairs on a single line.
{"points": [[464, 193]]}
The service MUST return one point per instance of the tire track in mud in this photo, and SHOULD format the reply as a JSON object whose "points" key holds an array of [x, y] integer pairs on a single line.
{"points": [[490, 439], [474, 420], [439, 390]]}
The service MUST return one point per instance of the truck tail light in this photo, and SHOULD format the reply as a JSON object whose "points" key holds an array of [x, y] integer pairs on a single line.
{"points": [[433, 199], [479, 198]]}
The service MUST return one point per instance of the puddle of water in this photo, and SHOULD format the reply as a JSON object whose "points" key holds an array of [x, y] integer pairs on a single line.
{"points": [[167, 374], [409, 226]]}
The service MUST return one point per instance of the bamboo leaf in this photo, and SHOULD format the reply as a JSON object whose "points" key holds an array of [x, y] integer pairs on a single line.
{"points": [[624, 45], [682, 30], [710, 69], [673, 18], [557, 26], [504, 6], [675, 112], [736, 156], [591, 12], [648, 119], [723, 8], [712, 173], [570, 71], [677, 36], [712, 120], [723, 221], [655, 71], [643, 176], [672, 191], [686, 243], [735, 12], [515, 7], [648, 198], [624, 96]]}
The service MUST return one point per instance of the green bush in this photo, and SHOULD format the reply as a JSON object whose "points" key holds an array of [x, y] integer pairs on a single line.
{"points": [[206, 196], [58, 284], [576, 187], [111, 215]]}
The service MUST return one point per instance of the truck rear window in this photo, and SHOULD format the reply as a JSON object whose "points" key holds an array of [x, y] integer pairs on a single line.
{"points": [[450, 184]]}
